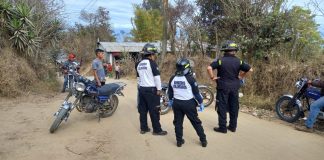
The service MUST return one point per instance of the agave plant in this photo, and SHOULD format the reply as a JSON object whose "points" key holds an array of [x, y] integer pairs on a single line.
{"points": [[23, 12], [6, 10]]}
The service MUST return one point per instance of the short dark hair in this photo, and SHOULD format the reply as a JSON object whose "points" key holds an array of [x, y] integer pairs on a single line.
{"points": [[99, 50]]}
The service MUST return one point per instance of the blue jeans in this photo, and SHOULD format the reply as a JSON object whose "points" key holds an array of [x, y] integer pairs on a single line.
{"points": [[65, 82], [315, 108]]}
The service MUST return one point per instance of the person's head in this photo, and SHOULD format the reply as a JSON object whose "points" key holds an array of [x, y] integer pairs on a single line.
{"points": [[149, 51], [229, 47], [71, 56], [100, 53], [183, 67]]}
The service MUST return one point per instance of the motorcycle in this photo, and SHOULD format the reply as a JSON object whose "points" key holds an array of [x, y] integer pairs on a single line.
{"points": [[292, 107], [72, 70], [205, 91], [89, 99]]}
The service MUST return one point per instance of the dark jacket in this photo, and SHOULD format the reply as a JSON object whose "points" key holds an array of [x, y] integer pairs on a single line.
{"points": [[319, 84]]}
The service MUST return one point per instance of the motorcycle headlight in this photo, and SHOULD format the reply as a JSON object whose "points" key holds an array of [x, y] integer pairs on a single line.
{"points": [[299, 84], [80, 87]]}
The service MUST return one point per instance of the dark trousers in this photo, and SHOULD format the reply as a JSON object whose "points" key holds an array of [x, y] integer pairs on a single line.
{"points": [[117, 74], [188, 108], [149, 101], [227, 100]]}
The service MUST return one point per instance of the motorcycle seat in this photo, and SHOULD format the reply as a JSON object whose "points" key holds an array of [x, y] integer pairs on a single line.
{"points": [[108, 89]]}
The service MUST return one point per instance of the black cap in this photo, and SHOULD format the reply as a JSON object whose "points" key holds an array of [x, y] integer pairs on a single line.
{"points": [[99, 50]]}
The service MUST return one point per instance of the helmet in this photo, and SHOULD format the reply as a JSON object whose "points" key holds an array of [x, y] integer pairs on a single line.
{"points": [[149, 49], [183, 67], [71, 56], [229, 46]]}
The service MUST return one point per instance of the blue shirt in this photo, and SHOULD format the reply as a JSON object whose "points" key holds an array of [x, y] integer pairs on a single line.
{"points": [[97, 65]]}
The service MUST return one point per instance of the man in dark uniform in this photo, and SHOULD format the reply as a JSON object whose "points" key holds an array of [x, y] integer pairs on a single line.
{"points": [[228, 83], [183, 94], [148, 76]]}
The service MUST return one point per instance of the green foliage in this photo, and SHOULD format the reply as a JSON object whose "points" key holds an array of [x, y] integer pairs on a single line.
{"points": [[147, 25], [261, 27]]}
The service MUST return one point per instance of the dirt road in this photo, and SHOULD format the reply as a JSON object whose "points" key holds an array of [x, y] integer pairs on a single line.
{"points": [[25, 122]]}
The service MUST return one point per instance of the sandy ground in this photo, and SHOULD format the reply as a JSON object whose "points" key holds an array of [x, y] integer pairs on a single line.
{"points": [[25, 122]]}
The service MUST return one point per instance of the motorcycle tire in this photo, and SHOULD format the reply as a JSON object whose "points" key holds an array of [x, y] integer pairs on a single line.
{"points": [[164, 109], [114, 104], [207, 94], [59, 118], [282, 109]]}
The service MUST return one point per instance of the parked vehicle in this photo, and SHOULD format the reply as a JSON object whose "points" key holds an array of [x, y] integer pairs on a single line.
{"points": [[89, 99], [292, 107], [205, 91], [72, 70]]}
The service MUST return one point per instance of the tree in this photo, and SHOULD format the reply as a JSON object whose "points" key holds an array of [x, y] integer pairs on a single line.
{"points": [[152, 4], [98, 24], [147, 25]]}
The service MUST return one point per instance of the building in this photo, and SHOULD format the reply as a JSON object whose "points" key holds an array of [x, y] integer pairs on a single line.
{"points": [[114, 50]]}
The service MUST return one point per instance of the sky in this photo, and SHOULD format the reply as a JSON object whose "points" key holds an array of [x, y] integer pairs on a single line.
{"points": [[121, 11]]}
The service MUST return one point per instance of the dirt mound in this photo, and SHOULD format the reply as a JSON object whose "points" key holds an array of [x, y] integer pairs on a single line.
{"points": [[16, 75]]}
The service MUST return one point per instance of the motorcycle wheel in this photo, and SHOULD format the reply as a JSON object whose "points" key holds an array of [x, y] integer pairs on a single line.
{"points": [[110, 109], [287, 113], [164, 108], [59, 118], [207, 94]]}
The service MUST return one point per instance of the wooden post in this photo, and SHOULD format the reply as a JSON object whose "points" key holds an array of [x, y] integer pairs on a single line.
{"points": [[165, 29]]}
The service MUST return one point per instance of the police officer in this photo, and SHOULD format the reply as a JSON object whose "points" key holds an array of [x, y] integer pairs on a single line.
{"points": [[149, 91], [228, 83], [183, 94]]}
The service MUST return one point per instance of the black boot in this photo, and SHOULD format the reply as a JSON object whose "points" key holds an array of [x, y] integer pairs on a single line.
{"points": [[180, 143], [216, 129]]}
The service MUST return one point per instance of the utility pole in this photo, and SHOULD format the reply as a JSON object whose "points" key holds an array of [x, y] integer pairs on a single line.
{"points": [[165, 28]]}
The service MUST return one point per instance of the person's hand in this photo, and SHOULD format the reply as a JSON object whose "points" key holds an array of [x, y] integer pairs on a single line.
{"points": [[158, 92], [170, 103], [99, 84], [201, 107], [214, 78], [309, 81]]}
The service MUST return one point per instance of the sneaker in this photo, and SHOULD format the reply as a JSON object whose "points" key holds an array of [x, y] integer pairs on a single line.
{"points": [[216, 129], [304, 129], [231, 129], [144, 131], [180, 143], [204, 143], [161, 133]]}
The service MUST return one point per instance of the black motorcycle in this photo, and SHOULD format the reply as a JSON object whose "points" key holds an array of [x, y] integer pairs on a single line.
{"points": [[291, 107], [205, 91], [89, 99]]}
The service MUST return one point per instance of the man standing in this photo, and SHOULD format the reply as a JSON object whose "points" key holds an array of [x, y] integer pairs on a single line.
{"points": [[228, 83], [117, 70], [98, 68], [148, 76], [184, 94], [69, 63]]}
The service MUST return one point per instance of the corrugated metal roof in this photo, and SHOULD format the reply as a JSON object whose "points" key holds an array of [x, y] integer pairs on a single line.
{"points": [[126, 46]]}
